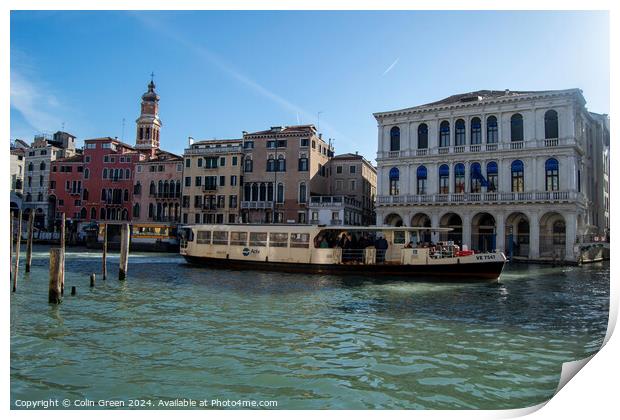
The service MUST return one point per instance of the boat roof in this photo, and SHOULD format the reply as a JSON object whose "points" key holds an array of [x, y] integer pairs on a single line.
{"points": [[287, 227]]}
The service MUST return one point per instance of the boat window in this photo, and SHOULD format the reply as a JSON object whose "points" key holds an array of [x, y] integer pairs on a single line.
{"points": [[300, 240], [258, 238], [239, 238], [278, 240], [203, 237], [399, 237], [220, 237]]}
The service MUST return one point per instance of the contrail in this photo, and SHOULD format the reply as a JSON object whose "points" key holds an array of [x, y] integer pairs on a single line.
{"points": [[391, 66]]}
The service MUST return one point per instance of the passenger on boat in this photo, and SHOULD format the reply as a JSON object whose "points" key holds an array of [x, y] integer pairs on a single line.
{"points": [[382, 245], [409, 244]]}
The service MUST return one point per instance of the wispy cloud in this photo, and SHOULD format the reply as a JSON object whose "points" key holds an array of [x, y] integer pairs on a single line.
{"points": [[38, 107], [213, 59], [391, 66]]}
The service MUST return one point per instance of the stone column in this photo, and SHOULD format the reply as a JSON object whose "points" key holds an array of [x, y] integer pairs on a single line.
{"points": [[451, 178], [467, 130], [483, 128], [534, 235], [466, 218], [467, 174], [571, 235], [434, 224], [500, 231]]}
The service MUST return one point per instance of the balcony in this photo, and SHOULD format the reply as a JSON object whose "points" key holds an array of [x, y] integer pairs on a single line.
{"points": [[167, 194], [209, 187], [257, 204], [330, 201], [477, 148], [481, 198]]}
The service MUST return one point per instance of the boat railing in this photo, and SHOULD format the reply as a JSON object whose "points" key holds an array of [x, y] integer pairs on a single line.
{"points": [[368, 256]]}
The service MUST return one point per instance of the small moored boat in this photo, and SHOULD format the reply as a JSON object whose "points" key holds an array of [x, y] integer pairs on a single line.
{"points": [[374, 251]]}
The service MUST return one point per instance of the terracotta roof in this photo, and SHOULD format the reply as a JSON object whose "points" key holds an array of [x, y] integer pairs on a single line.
{"points": [[71, 159], [285, 130]]}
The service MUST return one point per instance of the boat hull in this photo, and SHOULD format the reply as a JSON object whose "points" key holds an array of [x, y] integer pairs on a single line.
{"points": [[466, 272]]}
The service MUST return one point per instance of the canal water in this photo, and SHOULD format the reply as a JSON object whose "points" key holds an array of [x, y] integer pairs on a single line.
{"points": [[308, 342]]}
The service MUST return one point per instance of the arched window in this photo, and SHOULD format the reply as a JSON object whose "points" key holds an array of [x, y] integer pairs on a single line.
{"points": [[105, 173], [271, 164], [160, 187], [476, 131], [86, 173], [178, 188], [459, 178], [40, 197], [151, 210], [302, 192], [247, 193], [492, 176], [166, 187], [30, 167], [127, 174], [551, 124], [119, 173], [136, 210], [552, 175], [102, 214], [270, 191], [444, 179], [516, 175], [254, 192], [124, 214], [152, 188], [475, 178], [280, 193], [247, 164], [262, 190], [492, 133], [126, 195], [444, 134], [93, 214], [42, 166], [85, 194], [281, 163], [423, 136], [421, 175], [459, 133], [395, 139], [394, 181], [103, 195], [516, 127], [83, 213]]}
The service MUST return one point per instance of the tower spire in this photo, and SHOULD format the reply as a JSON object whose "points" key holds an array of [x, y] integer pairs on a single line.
{"points": [[148, 123]]}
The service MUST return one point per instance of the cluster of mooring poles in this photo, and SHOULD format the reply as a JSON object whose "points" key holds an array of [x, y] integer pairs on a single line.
{"points": [[57, 257]]}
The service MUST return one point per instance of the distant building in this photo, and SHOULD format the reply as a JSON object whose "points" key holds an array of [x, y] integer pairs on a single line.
{"points": [[355, 177], [19, 149], [282, 168], [212, 177], [43, 151], [67, 193], [522, 172], [157, 189]]}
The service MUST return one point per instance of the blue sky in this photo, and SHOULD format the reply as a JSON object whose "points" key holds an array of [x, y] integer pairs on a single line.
{"points": [[219, 73]]}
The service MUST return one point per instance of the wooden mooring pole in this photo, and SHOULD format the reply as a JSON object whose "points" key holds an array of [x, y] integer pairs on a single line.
{"points": [[104, 268], [11, 247], [92, 280], [29, 244], [56, 270], [62, 247], [17, 245], [124, 260]]}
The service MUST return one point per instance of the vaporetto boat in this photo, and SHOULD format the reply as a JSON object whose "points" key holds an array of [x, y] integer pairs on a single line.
{"points": [[376, 251]]}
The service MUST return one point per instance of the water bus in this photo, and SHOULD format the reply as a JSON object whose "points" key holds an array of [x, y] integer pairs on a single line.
{"points": [[374, 251], [154, 236]]}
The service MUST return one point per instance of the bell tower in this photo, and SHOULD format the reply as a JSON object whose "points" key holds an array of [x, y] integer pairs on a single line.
{"points": [[148, 123]]}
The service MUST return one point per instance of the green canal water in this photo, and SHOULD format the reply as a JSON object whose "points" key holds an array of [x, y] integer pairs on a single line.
{"points": [[308, 342]]}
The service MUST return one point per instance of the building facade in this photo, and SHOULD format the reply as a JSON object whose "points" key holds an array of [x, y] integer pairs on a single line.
{"points": [[157, 189], [19, 149], [212, 178], [513, 171], [67, 193], [354, 176], [43, 151], [282, 168]]}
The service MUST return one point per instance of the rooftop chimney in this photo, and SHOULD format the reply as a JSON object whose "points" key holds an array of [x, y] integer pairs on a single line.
{"points": [[321, 136], [190, 140]]}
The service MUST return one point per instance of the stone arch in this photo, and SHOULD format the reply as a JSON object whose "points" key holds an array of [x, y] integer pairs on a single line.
{"points": [[393, 219], [455, 222], [422, 220], [552, 235], [483, 226], [518, 234]]}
